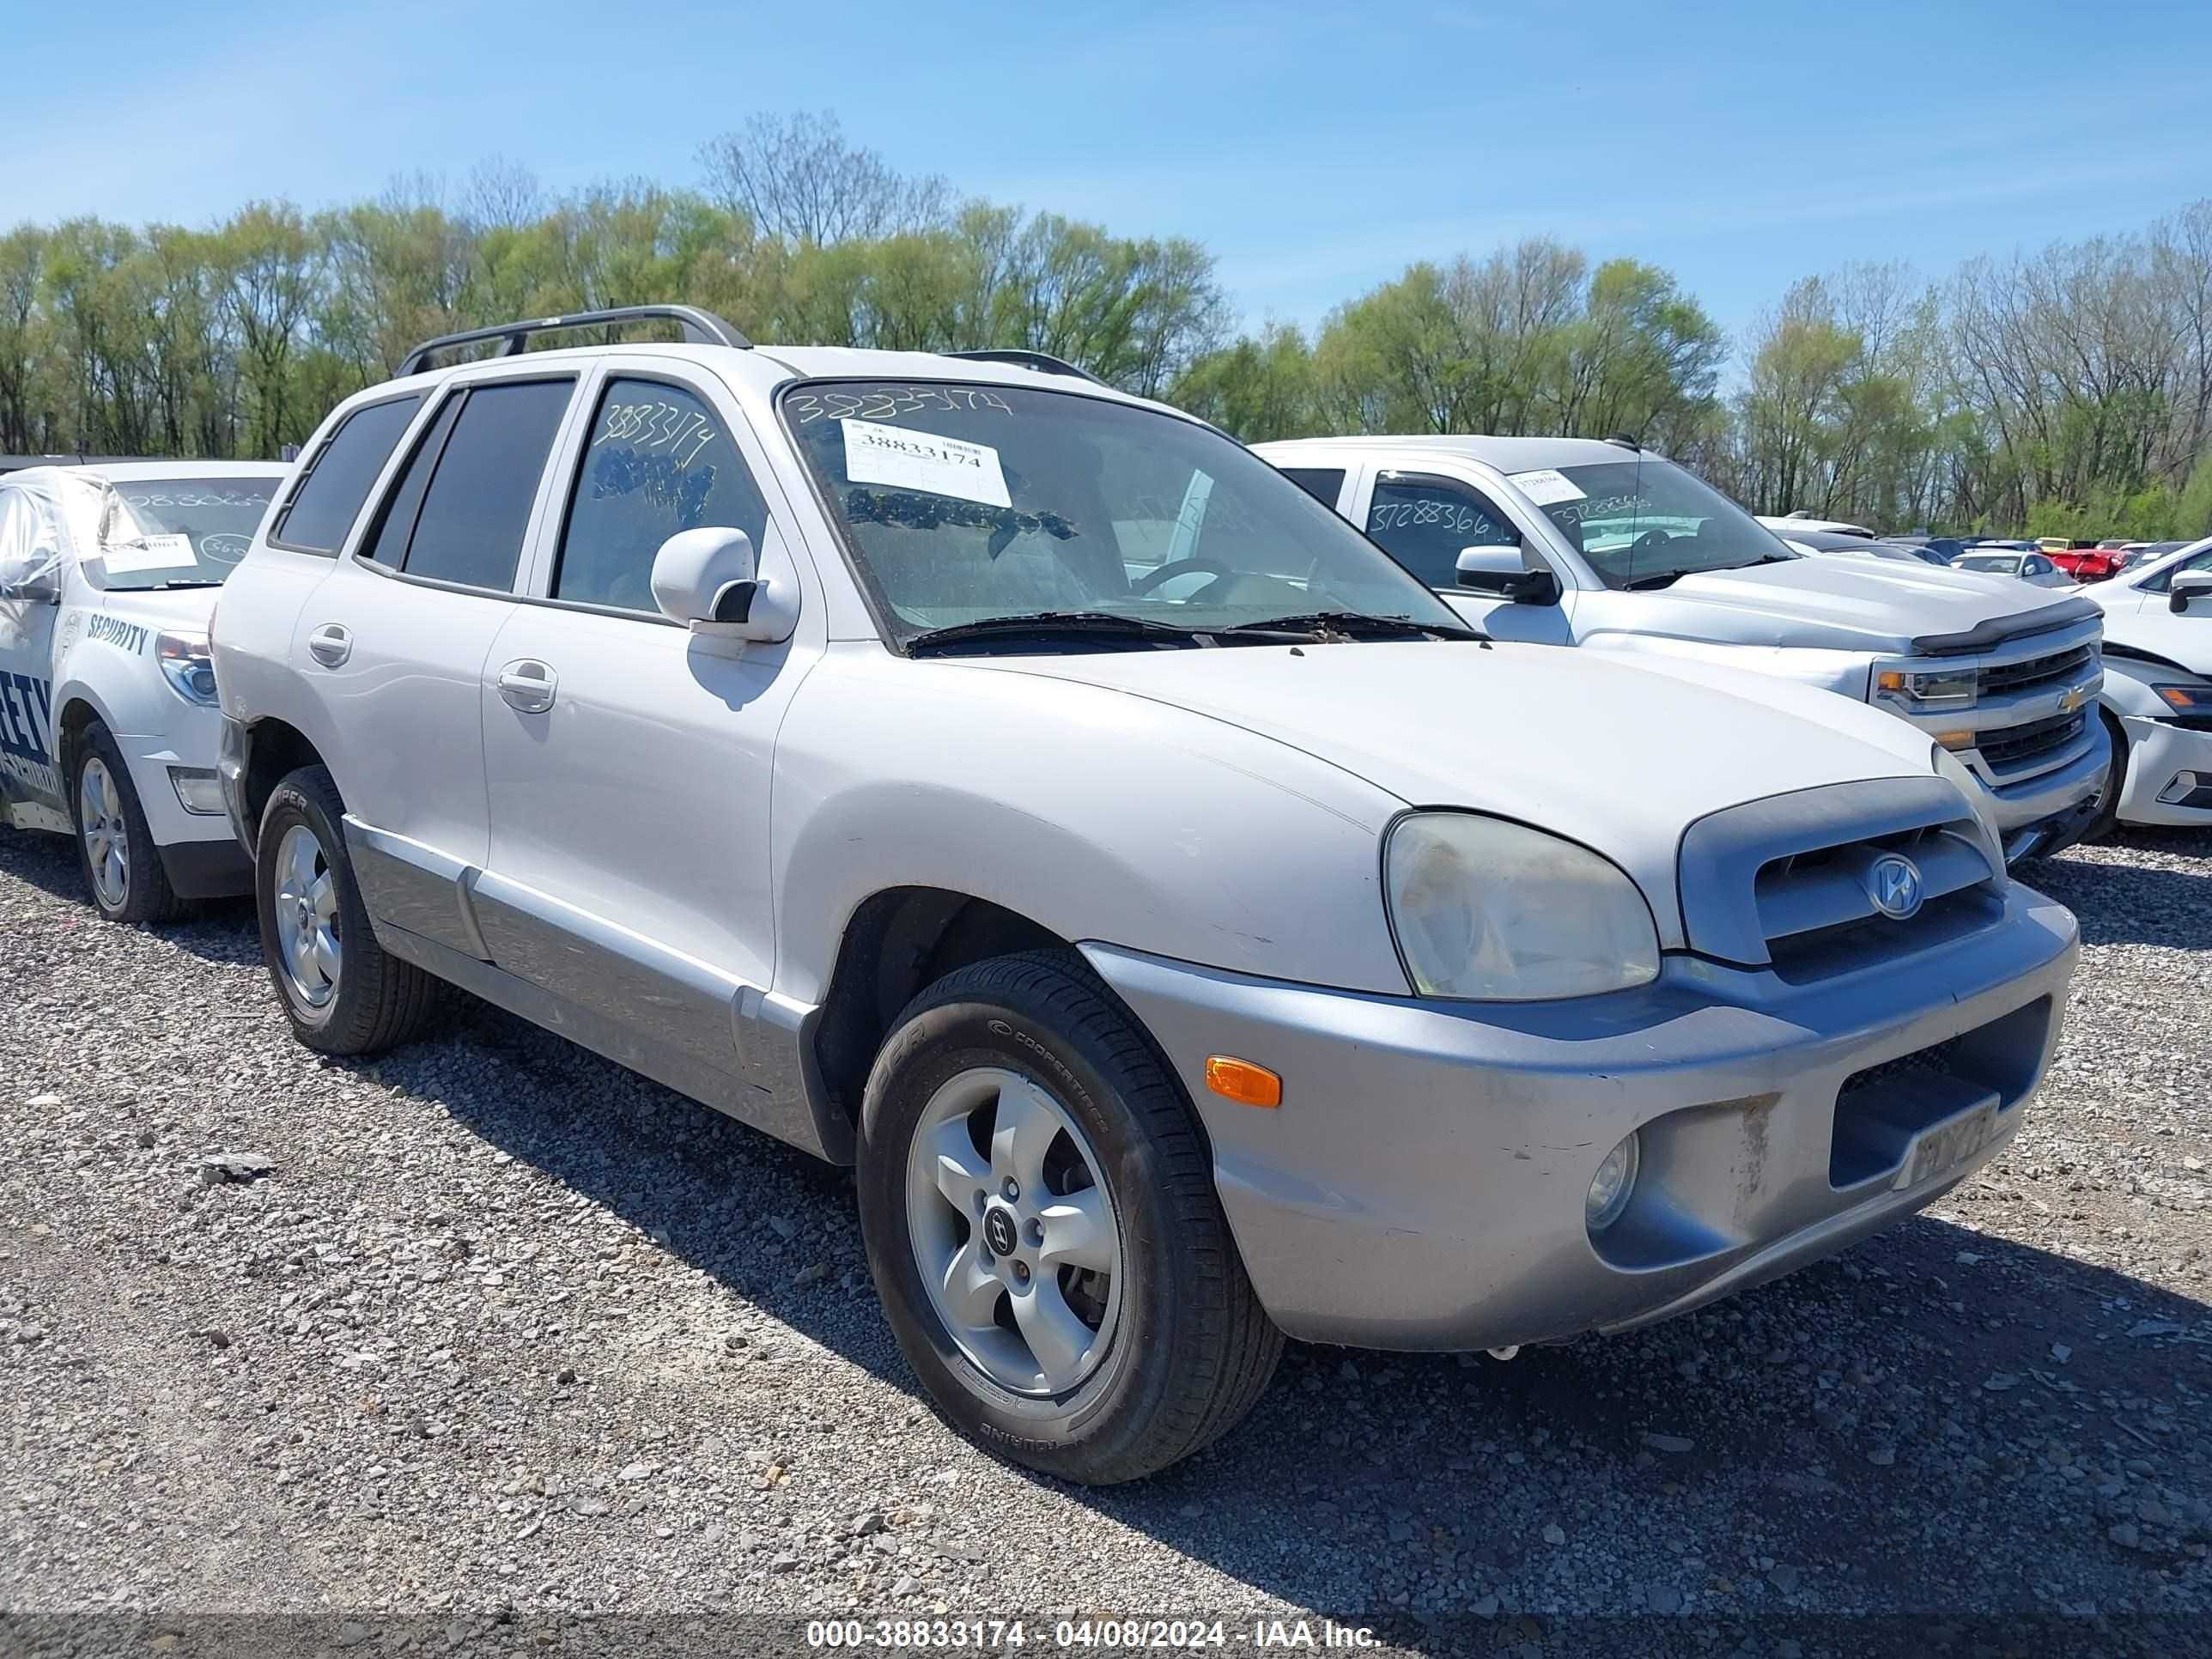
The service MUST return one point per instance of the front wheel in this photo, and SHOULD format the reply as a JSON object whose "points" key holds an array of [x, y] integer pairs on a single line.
{"points": [[2108, 808], [122, 866], [1042, 1224]]}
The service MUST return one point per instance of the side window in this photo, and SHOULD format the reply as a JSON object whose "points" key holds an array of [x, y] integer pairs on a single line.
{"points": [[328, 497], [395, 522], [1324, 484], [469, 526], [2038, 566], [1423, 522], [2163, 582], [659, 461]]}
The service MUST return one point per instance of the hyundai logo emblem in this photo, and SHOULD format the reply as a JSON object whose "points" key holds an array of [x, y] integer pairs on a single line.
{"points": [[1893, 885]]}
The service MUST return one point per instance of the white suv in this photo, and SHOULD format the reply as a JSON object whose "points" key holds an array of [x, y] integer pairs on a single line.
{"points": [[957, 767]]}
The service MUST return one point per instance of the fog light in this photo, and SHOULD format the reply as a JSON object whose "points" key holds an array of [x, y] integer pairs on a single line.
{"points": [[1611, 1186], [199, 792]]}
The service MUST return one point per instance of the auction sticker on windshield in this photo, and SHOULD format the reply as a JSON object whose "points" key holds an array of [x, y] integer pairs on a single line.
{"points": [[149, 553], [923, 460], [1546, 486]]}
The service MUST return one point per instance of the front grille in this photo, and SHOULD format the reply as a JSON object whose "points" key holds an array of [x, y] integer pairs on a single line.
{"points": [[1790, 878], [2015, 747], [2009, 677], [1817, 908]]}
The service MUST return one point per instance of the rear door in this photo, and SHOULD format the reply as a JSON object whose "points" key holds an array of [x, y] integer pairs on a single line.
{"points": [[395, 644], [629, 760]]}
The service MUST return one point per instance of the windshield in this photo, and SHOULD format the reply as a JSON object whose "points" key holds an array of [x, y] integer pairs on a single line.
{"points": [[1645, 522], [178, 532], [2004, 564], [964, 504]]}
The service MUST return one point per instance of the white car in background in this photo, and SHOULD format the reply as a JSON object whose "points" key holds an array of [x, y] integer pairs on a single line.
{"points": [[2035, 568], [2157, 700], [1608, 547], [108, 725]]}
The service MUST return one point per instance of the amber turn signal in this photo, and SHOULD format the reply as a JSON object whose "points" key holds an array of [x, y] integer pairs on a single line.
{"points": [[1242, 1081]]}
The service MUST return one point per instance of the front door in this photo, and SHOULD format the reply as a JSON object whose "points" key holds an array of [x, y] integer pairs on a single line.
{"points": [[628, 761], [1424, 521], [30, 783]]}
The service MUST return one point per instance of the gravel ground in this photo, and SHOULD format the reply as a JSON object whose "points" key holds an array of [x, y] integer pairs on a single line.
{"points": [[508, 1340]]}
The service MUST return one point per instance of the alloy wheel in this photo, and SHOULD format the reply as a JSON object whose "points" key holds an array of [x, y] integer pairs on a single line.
{"points": [[1014, 1232]]}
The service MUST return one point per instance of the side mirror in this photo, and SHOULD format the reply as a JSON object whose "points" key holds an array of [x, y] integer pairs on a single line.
{"points": [[709, 581], [2190, 585], [40, 589], [1500, 569]]}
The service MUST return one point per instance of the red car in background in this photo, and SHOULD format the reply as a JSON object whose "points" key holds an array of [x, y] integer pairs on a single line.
{"points": [[2097, 563]]}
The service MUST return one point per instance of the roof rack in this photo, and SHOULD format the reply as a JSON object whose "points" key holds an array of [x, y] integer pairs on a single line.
{"points": [[700, 328], [1042, 361]]}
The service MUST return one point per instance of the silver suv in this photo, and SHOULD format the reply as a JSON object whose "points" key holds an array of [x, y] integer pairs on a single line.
{"points": [[958, 769]]}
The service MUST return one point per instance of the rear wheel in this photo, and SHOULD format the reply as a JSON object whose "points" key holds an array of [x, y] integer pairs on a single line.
{"points": [[343, 992], [1042, 1224], [122, 866]]}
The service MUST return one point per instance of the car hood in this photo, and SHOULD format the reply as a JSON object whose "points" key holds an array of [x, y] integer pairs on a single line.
{"points": [[1620, 757], [1862, 605], [188, 608]]}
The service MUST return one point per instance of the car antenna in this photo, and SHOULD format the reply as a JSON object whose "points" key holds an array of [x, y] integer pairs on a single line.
{"points": [[1624, 440]]}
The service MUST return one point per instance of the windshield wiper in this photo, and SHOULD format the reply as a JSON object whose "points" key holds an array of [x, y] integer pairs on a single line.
{"points": [[1349, 625], [1102, 626], [1669, 578], [190, 581]]}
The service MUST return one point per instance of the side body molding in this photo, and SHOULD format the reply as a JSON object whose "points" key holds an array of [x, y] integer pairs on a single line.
{"points": [[737, 1046]]}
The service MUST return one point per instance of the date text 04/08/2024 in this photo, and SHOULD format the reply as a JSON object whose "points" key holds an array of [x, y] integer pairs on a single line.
{"points": [[1127, 1633]]}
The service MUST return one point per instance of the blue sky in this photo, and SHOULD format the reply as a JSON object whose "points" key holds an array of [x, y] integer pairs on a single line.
{"points": [[1317, 149]]}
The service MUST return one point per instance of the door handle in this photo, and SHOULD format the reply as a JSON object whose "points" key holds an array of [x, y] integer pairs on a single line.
{"points": [[528, 684], [330, 645]]}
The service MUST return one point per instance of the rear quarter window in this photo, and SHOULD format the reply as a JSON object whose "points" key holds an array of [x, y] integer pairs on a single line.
{"points": [[329, 495]]}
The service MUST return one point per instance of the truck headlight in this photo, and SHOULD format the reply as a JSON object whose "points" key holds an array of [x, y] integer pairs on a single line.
{"points": [[1949, 688], [188, 665], [1489, 911], [1951, 768]]}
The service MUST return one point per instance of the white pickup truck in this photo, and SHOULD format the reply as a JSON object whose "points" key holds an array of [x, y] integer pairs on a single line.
{"points": [[108, 728], [1599, 544]]}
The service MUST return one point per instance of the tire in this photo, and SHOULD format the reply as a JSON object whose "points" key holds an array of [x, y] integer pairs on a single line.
{"points": [[2107, 821], [1179, 1347], [115, 848], [360, 999]]}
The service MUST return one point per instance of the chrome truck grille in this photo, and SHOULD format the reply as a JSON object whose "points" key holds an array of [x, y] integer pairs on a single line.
{"points": [[1827, 881], [2001, 679]]}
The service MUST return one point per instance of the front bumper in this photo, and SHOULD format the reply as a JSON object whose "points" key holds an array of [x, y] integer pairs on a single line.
{"points": [[2158, 752], [198, 853], [1422, 1184]]}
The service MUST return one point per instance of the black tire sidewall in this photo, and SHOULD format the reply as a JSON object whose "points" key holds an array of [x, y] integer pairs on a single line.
{"points": [[1111, 1407], [298, 801], [145, 895]]}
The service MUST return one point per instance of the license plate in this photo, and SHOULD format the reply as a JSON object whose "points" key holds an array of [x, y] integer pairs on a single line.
{"points": [[1949, 1144]]}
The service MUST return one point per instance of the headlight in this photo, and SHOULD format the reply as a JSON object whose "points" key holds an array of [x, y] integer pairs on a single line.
{"points": [[1949, 767], [188, 665], [1949, 688], [1491, 912], [2185, 699]]}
